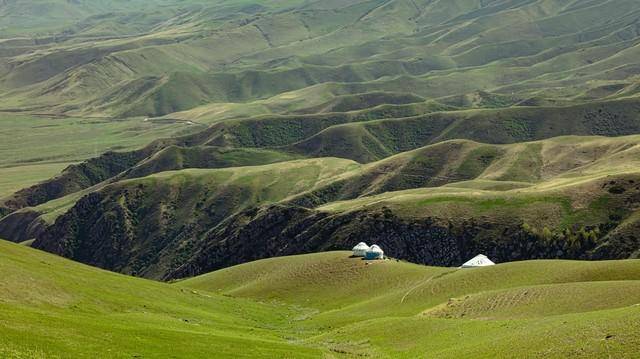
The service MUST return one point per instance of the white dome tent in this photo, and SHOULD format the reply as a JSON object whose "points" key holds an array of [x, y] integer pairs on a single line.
{"points": [[478, 261], [360, 250], [374, 252]]}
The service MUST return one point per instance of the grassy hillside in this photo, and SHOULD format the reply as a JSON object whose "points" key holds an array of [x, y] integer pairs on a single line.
{"points": [[156, 221], [319, 305], [37, 148], [567, 197], [470, 53], [52, 307], [467, 164], [359, 135], [169, 139], [357, 303]]}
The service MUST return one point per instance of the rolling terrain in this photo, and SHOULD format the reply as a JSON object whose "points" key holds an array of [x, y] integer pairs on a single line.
{"points": [[319, 305], [565, 197], [279, 55], [223, 151]]}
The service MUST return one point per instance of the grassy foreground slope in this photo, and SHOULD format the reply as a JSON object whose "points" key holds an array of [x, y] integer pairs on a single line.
{"points": [[319, 305], [388, 309], [54, 308]]}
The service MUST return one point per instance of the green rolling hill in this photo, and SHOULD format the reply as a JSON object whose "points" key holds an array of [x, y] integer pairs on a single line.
{"points": [[221, 51], [227, 149], [52, 307], [319, 305], [565, 197]]}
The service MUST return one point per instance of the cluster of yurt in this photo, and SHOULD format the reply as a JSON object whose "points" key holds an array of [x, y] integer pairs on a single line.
{"points": [[368, 253], [374, 252]]}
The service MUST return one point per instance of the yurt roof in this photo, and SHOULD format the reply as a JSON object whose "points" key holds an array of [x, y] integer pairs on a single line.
{"points": [[478, 261], [361, 245]]}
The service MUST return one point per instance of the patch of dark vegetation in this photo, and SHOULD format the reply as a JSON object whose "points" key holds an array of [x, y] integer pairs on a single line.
{"points": [[168, 233], [74, 178], [346, 103], [617, 189], [21, 226], [284, 230]]}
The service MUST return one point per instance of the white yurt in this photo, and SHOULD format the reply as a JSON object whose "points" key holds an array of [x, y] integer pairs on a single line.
{"points": [[478, 261], [374, 252], [360, 250]]}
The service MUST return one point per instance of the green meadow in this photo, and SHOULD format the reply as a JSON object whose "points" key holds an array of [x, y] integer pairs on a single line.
{"points": [[182, 178], [319, 305], [35, 148]]}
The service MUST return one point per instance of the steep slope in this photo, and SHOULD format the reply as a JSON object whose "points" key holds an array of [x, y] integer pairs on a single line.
{"points": [[152, 223], [440, 226], [354, 135], [485, 166], [373, 140], [569, 197]]}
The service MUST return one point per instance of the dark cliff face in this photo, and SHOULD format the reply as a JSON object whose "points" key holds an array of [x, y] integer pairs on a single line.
{"points": [[136, 230]]}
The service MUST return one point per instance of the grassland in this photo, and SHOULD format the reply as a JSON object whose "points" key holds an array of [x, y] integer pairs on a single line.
{"points": [[160, 218], [35, 148], [52, 307], [165, 139], [389, 309], [283, 56], [319, 305]]}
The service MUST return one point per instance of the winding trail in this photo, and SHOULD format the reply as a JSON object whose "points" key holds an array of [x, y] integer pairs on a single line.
{"points": [[435, 276]]}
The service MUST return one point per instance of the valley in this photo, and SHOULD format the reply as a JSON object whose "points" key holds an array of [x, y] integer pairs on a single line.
{"points": [[193, 172]]}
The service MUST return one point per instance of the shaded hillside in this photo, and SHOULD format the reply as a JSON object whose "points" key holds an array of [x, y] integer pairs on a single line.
{"points": [[438, 227], [492, 167], [148, 220], [348, 135], [373, 140], [579, 201]]}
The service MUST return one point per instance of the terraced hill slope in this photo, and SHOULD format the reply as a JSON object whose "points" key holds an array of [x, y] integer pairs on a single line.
{"points": [[319, 305]]}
